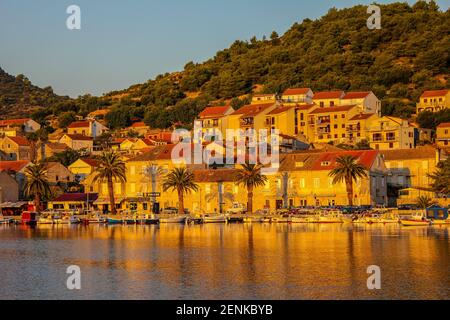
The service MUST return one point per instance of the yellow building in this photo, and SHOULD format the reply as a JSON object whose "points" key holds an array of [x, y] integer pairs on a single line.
{"points": [[214, 120], [77, 142], [434, 101], [328, 98], [330, 123], [302, 116], [443, 135], [296, 96], [15, 148], [82, 168], [283, 118], [250, 117], [91, 128], [264, 98], [134, 146], [391, 133], [366, 101], [358, 127], [15, 127]]}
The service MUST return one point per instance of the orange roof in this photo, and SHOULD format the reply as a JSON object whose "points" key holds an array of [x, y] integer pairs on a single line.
{"points": [[434, 93], [296, 91], [365, 157], [214, 112], [252, 109], [219, 175], [362, 116], [328, 95], [444, 125], [15, 166], [21, 141], [91, 162], [14, 122], [79, 124], [356, 95], [79, 137], [333, 109], [305, 107], [139, 125], [280, 109]]}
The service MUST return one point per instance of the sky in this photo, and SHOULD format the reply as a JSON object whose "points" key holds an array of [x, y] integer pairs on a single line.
{"points": [[130, 41]]}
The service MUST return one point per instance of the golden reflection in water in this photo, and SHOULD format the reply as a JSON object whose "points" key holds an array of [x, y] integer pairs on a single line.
{"points": [[260, 261]]}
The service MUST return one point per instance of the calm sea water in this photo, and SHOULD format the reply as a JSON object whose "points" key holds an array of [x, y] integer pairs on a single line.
{"points": [[225, 262]]}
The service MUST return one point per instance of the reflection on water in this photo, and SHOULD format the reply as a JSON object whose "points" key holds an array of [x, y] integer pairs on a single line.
{"points": [[225, 262]]}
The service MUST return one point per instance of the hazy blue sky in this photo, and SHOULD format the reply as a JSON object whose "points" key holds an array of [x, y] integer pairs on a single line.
{"points": [[130, 41]]}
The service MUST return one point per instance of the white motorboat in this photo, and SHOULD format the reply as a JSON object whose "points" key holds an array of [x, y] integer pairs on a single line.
{"points": [[215, 219]]}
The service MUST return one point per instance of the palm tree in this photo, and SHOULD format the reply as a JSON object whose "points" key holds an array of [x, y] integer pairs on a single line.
{"points": [[110, 168], [36, 184], [424, 202], [348, 170], [250, 176], [181, 180]]}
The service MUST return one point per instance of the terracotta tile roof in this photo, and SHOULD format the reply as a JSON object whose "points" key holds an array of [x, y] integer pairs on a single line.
{"points": [[79, 137], [92, 162], [296, 91], [214, 176], [328, 95], [57, 146], [356, 95], [21, 141], [280, 109], [434, 93], [305, 107], [8, 122], [79, 124], [333, 109], [426, 152], [253, 109], [362, 116], [77, 197], [444, 125], [214, 112], [138, 125], [15, 166]]}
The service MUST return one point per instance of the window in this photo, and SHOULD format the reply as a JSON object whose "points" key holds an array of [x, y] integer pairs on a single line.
{"points": [[343, 116], [343, 135], [332, 104], [316, 183], [322, 104], [299, 164], [391, 145], [302, 183]]}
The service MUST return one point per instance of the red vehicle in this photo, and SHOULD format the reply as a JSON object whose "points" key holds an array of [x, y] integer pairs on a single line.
{"points": [[29, 218]]}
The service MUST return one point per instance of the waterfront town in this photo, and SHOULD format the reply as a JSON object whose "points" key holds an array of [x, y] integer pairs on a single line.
{"points": [[81, 164]]}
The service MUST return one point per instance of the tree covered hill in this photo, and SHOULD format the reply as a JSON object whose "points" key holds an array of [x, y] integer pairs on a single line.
{"points": [[409, 54]]}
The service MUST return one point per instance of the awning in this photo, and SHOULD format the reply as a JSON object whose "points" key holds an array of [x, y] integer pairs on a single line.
{"points": [[105, 200], [13, 204]]}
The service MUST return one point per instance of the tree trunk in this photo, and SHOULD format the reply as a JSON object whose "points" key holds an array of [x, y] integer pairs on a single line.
{"points": [[112, 202], [37, 203], [249, 199], [349, 186], [180, 202], [33, 151]]}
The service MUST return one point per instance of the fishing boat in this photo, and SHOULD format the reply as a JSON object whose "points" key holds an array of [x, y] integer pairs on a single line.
{"points": [[440, 222], [4, 220], [327, 217], [118, 220], [92, 219], [294, 219], [415, 221], [173, 220], [130, 220], [29, 218], [45, 218], [215, 219]]}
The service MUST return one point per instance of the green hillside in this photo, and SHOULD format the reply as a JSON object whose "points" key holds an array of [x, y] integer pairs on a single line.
{"points": [[411, 53]]}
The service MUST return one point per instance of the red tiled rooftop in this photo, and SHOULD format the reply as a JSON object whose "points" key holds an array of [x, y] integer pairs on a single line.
{"points": [[444, 125], [296, 91], [333, 109], [77, 197], [14, 122], [280, 109], [253, 109], [434, 93], [139, 125], [362, 116], [91, 162], [214, 112], [364, 157], [13, 165], [328, 95], [21, 141], [79, 124], [356, 95], [79, 137]]}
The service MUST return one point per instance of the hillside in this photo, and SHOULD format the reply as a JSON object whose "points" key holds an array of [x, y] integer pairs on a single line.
{"points": [[410, 54]]}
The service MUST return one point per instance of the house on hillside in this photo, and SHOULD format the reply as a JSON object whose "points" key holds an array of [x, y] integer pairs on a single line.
{"points": [[90, 128], [14, 148], [78, 142], [15, 127]]}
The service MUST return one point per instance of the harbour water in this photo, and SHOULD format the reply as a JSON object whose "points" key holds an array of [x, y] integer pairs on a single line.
{"points": [[235, 261]]}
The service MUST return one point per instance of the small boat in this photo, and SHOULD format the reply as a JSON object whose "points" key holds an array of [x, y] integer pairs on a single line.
{"points": [[440, 222], [4, 220], [114, 220], [130, 220], [173, 220], [294, 219], [327, 217], [29, 218], [45, 219], [215, 219], [415, 221]]}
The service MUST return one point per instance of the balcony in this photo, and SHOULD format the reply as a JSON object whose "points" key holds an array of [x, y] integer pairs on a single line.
{"points": [[353, 128], [246, 122]]}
